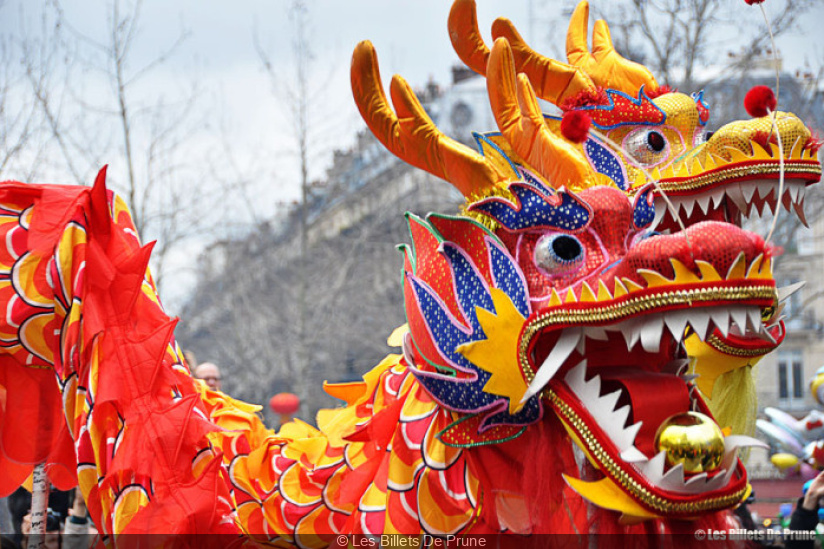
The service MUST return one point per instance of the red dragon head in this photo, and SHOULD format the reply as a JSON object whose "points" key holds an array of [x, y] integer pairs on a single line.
{"points": [[545, 302]]}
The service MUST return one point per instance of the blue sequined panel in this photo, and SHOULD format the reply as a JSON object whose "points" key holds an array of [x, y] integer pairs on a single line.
{"points": [[534, 209], [643, 212], [456, 382], [606, 162]]}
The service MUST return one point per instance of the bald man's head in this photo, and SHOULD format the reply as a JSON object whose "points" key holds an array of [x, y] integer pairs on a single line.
{"points": [[210, 374]]}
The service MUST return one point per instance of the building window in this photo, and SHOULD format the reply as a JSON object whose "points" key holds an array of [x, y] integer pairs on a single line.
{"points": [[782, 380], [798, 379], [791, 375]]}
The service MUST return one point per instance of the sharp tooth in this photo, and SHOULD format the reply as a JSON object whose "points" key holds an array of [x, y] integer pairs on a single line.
{"points": [[739, 316], [633, 455], [560, 352], [690, 377], [629, 329], [734, 193], [766, 335], [592, 390], [660, 211], [802, 192], [610, 400], [688, 205], [674, 478], [793, 190], [799, 209], [747, 190], [704, 203], [742, 441], [696, 483], [718, 197], [716, 482], [576, 377], [721, 319], [770, 204], [700, 320], [787, 291], [625, 439], [651, 334], [754, 319], [597, 333], [765, 188], [619, 418], [676, 322], [654, 468], [728, 476]]}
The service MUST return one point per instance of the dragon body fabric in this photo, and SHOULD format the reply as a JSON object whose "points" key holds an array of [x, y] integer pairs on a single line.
{"points": [[549, 330]]}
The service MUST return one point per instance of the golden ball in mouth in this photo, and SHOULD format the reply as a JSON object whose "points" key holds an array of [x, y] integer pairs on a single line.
{"points": [[693, 440]]}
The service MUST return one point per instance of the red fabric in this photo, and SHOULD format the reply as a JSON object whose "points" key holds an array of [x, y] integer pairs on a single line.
{"points": [[575, 126]]}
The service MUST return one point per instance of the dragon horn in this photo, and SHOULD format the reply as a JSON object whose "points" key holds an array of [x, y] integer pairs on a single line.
{"points": [[604, 65], [465, 36], [520, 120], [553, 80], [410, 134]]}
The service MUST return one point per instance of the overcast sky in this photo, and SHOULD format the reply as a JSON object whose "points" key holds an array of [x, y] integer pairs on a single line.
{"points": [[410, 37]]}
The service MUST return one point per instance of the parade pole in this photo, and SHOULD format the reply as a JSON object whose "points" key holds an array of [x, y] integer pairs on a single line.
{"points": [[39, 507]]}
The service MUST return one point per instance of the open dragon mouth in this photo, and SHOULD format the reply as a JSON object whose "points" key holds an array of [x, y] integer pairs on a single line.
{"points": [[620, 376], [727, 189]]}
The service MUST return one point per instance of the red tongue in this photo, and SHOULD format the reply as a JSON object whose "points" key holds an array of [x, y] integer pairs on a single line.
{"points": [[654, 398]]}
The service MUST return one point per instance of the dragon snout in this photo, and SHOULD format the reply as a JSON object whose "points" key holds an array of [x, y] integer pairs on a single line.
{"points": [[741, 135], [717, 243]]}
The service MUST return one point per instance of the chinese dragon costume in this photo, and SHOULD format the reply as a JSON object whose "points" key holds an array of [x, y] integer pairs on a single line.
{"points": [[548, 344]]}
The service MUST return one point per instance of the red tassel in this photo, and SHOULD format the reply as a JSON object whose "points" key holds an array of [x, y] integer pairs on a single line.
{"points": [[753, 2], [759, 101], [575, 126]]}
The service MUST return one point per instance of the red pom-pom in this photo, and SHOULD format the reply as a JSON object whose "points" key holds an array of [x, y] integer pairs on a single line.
{"points": [[575, 126], [753, 2], [759, 101]]}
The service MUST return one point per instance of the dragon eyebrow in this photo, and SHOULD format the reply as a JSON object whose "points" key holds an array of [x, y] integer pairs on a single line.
{"points": [[536, 207]]}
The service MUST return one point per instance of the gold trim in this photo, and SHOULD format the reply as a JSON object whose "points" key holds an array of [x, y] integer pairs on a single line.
{"points": [[633, 306], [693, 182], [715, 342]]}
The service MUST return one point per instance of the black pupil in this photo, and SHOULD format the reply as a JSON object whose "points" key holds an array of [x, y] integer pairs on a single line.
{"points": [[656, 141], [708, 135], [566, 248]]}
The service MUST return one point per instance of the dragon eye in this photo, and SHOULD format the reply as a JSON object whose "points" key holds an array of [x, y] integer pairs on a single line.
{"points": [[647, 146], [656, 141], [559, 254]]}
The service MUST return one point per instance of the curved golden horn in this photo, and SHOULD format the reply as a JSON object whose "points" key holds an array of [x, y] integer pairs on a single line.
{"points": [[465, 36], [411, 135], [520, 119], [604, 65], [554, 81]]}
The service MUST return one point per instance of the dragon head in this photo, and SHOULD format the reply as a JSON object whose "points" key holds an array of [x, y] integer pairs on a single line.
{"points": [[553, 296], [648, 132]]}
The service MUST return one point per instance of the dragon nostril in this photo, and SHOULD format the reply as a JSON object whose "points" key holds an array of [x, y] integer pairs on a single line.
{"points": [[656, 141], [566, 248]]}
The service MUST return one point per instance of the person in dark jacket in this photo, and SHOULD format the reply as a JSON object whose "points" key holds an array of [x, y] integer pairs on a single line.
{"points": [[805, 515]]}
